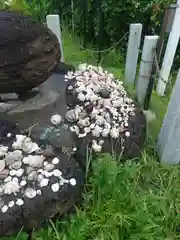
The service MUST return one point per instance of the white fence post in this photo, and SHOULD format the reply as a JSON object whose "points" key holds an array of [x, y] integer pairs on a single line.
{"points": [[169, 54], [168, 145], [150, 43], [53, 23], [135, 31]]}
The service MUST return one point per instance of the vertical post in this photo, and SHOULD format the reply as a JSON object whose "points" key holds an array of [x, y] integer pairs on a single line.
{"points": [[147, 58], [168, 145], [53, 23], [169, 54], [135, 31]]}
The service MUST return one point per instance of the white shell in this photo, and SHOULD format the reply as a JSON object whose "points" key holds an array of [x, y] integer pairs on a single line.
{"points": [[11, 187], [55, 160], [56, 119], [55, 187], [39, 192], [4, 209], [47, 174], [3, 151], [49, 167], [19, 202], [23, 183], [9, 178], [57, 173], [30, 193], [11, 204], [19, 172], [127, 134], [34, 160], [114, 132], [105, 132], [72, 181], [40, 177], [96, 147], [30, 147], [13, 172], [44, 182]]}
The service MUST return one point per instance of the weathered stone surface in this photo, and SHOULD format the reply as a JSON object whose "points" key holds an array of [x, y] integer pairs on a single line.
{"points": [[29, 52], [49, 100], [61, 143]]}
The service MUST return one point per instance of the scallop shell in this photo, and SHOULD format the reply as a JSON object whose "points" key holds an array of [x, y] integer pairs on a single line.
{"points": [[72, 115], [30, 193], [56, 119]]}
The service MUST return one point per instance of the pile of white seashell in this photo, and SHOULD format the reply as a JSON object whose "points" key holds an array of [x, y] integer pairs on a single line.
{"points": [[23, 165], [110, 105]]}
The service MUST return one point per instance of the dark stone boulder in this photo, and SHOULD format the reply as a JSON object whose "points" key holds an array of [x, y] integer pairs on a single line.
{"points": [[29, 52], [33, 118]]}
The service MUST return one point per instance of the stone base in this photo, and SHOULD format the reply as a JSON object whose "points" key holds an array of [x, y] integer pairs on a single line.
{"points": [[49, 100]]}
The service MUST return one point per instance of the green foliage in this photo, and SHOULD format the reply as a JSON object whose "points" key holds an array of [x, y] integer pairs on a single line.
{"points": [[117, 16]]}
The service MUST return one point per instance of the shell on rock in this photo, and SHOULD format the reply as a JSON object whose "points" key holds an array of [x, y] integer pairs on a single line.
{"points": [[49, 167], [40, 177], [97, 131], [114, 132], [127, 134], [56, 119], [47, 174], [105, 132], [11, 204], [19, 172], [39, 192], [55, 161], [11, 187], [83, 122], [30, 193], [16, 165], [11, 157], [95, 146], [23, 183], [44, 182], [72, 181], [19, 202], [9, 178], [34, 160], [57, 173], [55, 187], [72, 115], [30, 147], [4, 209], [13, 172], [19, 141]]}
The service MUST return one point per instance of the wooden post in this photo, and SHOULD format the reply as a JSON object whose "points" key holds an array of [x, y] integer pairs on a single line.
{"points": [[169, 54], [168, 145], [132, 52], [53, 23], [149, 47]]}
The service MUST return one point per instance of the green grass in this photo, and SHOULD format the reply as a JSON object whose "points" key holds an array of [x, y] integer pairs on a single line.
{"points": [[134, 201]]}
